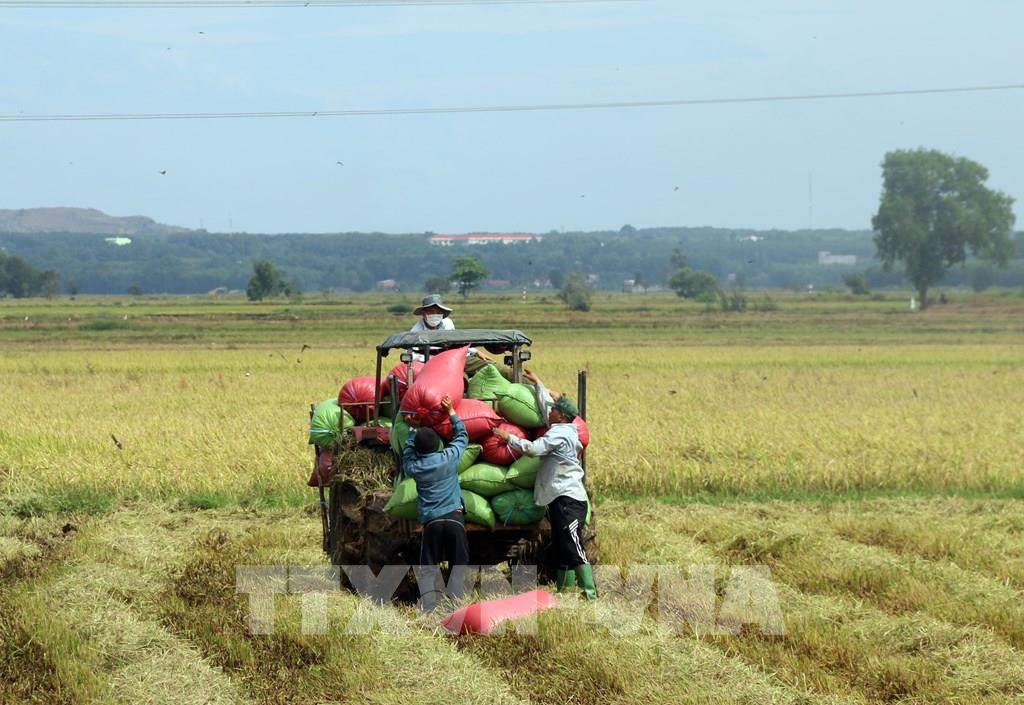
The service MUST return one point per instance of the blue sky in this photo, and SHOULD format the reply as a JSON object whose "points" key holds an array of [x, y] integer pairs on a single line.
{"points": [[784, 165]]}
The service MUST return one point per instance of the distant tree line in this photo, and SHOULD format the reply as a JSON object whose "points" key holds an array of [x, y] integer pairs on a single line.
{"points": [[199, 262], [19, 279]]}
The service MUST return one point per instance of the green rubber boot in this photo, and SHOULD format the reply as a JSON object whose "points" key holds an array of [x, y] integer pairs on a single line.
{"points": [[565, 580], [585, 578]]}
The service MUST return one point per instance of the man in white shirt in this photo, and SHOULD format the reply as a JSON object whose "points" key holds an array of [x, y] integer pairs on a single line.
{"points": [[434, 315], [559, 485]]}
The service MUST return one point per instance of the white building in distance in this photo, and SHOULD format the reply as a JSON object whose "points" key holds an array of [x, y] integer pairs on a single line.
{"points": [[826, 257], [484, 239]]}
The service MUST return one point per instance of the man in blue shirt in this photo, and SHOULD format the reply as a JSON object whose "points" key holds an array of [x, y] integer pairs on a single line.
{"points": [[440, 510]]}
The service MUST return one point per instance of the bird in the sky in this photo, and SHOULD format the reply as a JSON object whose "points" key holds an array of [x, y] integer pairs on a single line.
{"points": [[305, 347], [676, 188], [339, 163], [163, 172], [202, 32]]}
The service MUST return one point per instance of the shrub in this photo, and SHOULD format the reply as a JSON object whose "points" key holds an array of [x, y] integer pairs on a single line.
{"points": [[576, 293], [400, 309]]}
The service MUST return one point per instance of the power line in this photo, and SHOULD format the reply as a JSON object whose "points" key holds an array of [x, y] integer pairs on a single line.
{"points": [[190, 4], [56, 117]]}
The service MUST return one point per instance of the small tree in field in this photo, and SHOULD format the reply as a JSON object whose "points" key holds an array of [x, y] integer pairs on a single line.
{"points": [[437, 285], [934, 209], [857, 283], [467, 273], [692, 284], [576, 293], [267, 280]]}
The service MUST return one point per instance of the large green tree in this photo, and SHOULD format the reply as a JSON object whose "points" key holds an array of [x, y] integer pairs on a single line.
{"points": [[935, 208], [267, 280], [467, 273]]}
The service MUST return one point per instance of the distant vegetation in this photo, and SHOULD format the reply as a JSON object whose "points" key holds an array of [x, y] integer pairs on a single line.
{"points": [[19, 279], [200, 262]]}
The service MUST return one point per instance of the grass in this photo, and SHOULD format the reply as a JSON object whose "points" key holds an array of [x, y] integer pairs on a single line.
{"points": [[867, 457]]}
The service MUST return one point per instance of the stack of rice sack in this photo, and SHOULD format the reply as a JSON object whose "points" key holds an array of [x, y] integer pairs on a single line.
{"points": [[497, 484]]}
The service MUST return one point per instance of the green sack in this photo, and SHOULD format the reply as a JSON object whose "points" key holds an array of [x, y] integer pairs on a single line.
{"points": [[518, 404], [516, 508], [400, 433], [485, 479], [487, 384], [328, 423], [405, 500], [469, 457], [386, 410], [523, 473], [385, 422], [478, 510]]}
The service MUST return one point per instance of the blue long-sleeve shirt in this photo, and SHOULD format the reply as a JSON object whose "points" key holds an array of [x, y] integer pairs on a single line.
{"points": [[437, 474]]}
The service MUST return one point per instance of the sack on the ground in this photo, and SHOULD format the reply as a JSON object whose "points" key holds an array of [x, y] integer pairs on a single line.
{"points": [[485, 479], [516, 508], [404, 501], [357, 397], [487, 383], [581, 429], [441, 376], [478, 510], [469, 458], [400, 373], [518, 404], [328, 423], [478, 416], [523, 473], [496, 451]]}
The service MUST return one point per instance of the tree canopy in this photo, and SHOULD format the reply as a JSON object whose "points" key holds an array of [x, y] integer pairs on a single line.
{"points": [[20, 279], [267, 280], [467, 273], [934, 209]]}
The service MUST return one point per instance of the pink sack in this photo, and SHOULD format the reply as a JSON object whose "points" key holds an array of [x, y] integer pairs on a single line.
{"points": [[401, 373], [581, 428], [357, 397], [483, 617], [441, 376], [496, 451], [479, 416]]}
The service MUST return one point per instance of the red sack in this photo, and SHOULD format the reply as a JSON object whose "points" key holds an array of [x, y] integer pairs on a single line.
{"points": [[324, 462], [401, 373], [441, 376], [480, 419], [581, 428], [357, 396], [483, 617], [496, 451]]}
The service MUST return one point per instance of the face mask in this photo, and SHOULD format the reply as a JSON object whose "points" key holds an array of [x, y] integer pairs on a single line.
{"points": [[433, 320]]}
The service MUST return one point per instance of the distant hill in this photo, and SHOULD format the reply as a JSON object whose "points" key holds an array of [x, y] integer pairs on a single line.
{"points": [[80, 220]]}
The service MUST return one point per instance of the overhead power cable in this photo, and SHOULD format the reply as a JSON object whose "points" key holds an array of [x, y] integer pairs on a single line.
{"points": [[189, 4], [85, 117]]}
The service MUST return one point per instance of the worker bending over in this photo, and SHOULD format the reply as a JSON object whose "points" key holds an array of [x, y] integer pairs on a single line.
{"points": [[559, 485], [440, 507]]}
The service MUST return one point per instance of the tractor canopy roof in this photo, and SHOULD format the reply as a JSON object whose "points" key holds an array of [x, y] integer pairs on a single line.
{"points": [[447, 339]]}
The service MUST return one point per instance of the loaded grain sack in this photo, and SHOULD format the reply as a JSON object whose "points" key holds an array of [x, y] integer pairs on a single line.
{"points": [[487, 384], [478, 509], [478, 416], [469, 458], [523, 473], [404, 502], [441, 376], [518, 404], [515, 508], [357, 396], [400, 373], [496, 451], [485, 479], [329, 422]]}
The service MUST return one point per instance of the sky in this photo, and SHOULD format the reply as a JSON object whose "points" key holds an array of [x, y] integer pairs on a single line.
{"points": [[767, 165]]}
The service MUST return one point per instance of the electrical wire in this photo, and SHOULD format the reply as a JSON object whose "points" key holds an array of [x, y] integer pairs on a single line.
{"points": [[191, 4], [86, 117]]}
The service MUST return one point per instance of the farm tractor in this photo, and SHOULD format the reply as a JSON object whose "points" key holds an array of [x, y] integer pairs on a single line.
{"points": [[357, 530]]}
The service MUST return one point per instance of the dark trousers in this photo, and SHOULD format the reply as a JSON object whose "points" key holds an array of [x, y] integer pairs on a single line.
{"points": [[444, 539], [567, 516]]}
